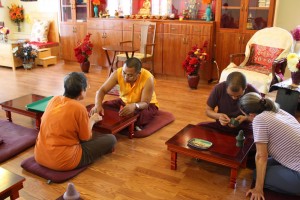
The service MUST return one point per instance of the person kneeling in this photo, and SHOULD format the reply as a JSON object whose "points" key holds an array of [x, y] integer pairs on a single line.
{"points": [[65, 140]]}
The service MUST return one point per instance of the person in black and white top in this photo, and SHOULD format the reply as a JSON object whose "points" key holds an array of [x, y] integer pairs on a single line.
{"points": [[276, 135]]}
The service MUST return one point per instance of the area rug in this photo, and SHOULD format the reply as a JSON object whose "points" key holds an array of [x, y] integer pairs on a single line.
{"points": [[50, 175], [15, 139]]}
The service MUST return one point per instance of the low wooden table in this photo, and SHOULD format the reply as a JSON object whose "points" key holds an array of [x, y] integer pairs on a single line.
{"points": [[10, 184], [18, 105], [113, 123], [223, 151]]}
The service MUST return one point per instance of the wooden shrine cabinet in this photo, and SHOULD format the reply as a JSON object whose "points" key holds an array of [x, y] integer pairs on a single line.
{"points": [[127, 34], [236, 22], [104, 32], [179, 38], [73, 15]]}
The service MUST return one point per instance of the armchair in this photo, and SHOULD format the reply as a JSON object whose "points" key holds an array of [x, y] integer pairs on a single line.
{"points": [[145, 40], [264, 58]]}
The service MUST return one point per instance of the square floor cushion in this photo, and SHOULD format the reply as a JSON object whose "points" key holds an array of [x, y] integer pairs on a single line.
{"points": [[50, 175], [15, 139], [161, 119]]}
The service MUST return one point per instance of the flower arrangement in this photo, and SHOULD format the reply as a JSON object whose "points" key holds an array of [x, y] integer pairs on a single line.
{"points": [[96, 2], [195, 59], [84, 49], [16, 13], [206, 1], [4, 30], [26, 52], [293, 62], [296, 33]]}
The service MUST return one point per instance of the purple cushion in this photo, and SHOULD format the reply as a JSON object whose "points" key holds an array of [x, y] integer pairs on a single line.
{"points": [[51, 175], [15, 139], [161, 119]]}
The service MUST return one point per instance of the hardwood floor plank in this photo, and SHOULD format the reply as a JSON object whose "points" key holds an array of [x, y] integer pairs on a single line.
{"points": [[139, 169]]}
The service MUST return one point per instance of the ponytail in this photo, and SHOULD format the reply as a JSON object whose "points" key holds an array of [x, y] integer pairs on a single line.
{"points": [[254, 103]]}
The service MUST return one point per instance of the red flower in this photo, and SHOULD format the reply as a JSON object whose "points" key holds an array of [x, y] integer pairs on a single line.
{"points": [[84, 49], [195, 59], [296, 33]]}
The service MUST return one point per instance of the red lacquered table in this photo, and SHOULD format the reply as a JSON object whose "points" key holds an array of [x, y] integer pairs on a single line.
{"points": [[223, 151], [10, 184], [113, 123], [18, 105]]}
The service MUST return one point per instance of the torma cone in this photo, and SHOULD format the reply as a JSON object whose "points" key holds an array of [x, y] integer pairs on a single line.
{"points": [[71, 193]]}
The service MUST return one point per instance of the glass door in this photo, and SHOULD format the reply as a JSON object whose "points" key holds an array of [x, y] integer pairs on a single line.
{"points": [[257, 14], [66, 10], [81, 10], [231, 14]]}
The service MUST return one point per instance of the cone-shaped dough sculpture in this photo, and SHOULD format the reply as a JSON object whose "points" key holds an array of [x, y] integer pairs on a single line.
{"points": [[71, 193]]}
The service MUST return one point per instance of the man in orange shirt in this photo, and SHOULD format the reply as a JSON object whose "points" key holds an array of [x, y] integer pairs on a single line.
{"points": [[136, 92], [65, 140]]}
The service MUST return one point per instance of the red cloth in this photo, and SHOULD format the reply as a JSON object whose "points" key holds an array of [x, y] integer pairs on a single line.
{"points": [[41, 45], [145, 116], [263, 55]]}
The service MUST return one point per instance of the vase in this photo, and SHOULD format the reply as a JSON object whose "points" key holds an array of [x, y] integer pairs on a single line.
{"points": [[297, 47], [208, 13], [27, 65], [295, 77], [85, 66], [96, 11], [193, 81], [19, 26], [4, 37]]}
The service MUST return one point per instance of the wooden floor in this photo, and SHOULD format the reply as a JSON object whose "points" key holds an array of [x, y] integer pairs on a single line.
{"points": [[139, 168]]}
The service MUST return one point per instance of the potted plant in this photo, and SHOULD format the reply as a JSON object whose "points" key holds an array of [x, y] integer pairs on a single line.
{"points": [[296, 36], [16, 14], [293, 63], [27, 53], [193, 62], [82, 52], [4, 31]]}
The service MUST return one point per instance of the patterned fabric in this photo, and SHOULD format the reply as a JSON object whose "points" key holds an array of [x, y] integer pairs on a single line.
{"points": [[257, 68], [39, 32], [283, 138], [41, 45], [263, 55]]}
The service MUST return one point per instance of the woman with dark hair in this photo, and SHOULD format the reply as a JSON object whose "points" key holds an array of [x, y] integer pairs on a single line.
{"points": [[277, 138]]}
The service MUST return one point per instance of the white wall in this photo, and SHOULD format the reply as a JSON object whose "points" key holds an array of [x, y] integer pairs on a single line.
{"points": [[29, 6], [287, 16]]}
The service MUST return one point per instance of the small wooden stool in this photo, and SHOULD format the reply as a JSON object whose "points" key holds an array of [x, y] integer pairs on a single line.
{"points": [[44, 58], [10, 184]]}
